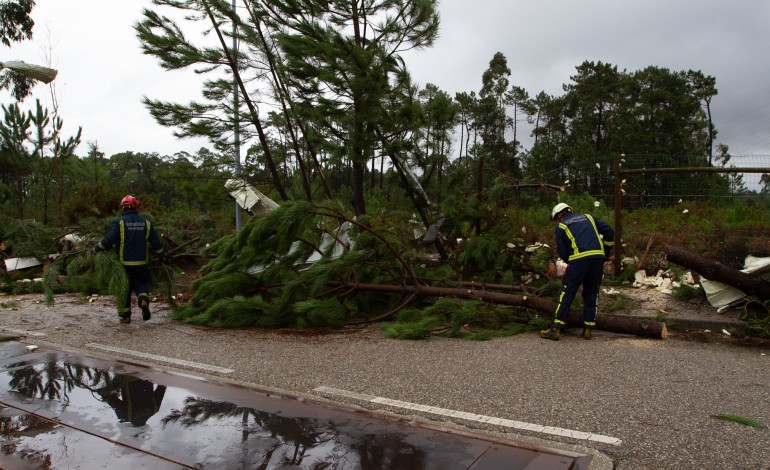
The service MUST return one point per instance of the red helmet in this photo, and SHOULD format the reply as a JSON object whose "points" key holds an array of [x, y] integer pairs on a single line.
{"points": [[129, 201]]}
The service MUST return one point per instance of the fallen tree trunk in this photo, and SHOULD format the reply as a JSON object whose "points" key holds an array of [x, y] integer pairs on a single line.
{"points": [[614, 324], [716, 271]]}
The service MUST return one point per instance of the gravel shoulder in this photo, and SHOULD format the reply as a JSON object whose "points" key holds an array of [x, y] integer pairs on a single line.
{"points": [[657, 396]]}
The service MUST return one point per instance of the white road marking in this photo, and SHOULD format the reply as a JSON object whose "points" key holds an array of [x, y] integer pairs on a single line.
{"points": [[24, 332], [153, 357], [444, 412]]}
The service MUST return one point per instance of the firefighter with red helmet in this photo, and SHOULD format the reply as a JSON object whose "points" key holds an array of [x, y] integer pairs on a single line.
{"points": [[134, 238]]}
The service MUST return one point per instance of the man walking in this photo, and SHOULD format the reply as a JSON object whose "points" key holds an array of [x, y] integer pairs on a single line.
{"points": [[133, 236], [584, 242]]}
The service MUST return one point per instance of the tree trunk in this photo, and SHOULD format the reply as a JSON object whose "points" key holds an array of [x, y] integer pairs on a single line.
{"points": [[359, 206], [716, 271], [648, 329]]}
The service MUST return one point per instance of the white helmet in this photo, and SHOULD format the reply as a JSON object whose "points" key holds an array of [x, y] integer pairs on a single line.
{"points": [[559, 208]]}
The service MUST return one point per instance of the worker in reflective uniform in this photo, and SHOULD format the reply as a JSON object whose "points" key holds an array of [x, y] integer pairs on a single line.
{"points": [[133, 237], [585, 243]]}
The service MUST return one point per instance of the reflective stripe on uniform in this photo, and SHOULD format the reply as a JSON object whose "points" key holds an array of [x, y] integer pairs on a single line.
{"points": [[576, 253], [122, 240]]}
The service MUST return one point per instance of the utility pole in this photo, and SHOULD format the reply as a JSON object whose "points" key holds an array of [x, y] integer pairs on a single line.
{"points": [[618, 217]]}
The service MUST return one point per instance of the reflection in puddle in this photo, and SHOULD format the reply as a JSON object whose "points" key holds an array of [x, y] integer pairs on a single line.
{"points": [[136, 400], [189, 429]]}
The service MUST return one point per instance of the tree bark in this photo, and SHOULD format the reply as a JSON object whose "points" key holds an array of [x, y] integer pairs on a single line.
{"points": [[648, 329], [716, 271]]}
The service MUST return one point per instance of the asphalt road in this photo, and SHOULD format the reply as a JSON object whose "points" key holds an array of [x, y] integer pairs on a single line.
{"points": [[649, 404]]}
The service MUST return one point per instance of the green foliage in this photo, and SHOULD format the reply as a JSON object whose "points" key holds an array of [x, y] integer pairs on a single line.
{"points": [[19, 287], [418, 325], [16, 26], [740, 420], [756, 314], [626, 275], [458, 313], [456, 318], [265, 262], [88, 273], [262, 266], [539, 323], [50, 279], [653, 111], [685, 292], [620, 303], [325, 312], [479, 252], [27, 238], [232, 312], [662, 316]]}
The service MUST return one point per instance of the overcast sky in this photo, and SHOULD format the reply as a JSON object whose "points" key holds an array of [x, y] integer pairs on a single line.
{"points": [[103, 74]]}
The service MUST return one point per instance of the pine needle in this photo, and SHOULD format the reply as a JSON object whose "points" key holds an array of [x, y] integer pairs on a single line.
{"points": [[102, 270], [50, 278], [740, 420], [323, 312]]}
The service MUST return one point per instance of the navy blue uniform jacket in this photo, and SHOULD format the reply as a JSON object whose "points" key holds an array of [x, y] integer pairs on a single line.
{"points": [[133, 236], [580, 236]]}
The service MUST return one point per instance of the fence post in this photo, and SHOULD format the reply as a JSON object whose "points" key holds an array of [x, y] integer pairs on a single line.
{"points": [[618, 219]]}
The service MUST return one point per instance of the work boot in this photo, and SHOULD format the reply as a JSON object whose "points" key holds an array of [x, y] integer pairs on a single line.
{"points": [[551, 333], [125, 319], [587, 333], [144, 304]]}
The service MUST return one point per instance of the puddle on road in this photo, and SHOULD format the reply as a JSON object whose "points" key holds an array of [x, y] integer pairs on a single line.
{"points": [[61, 411]]}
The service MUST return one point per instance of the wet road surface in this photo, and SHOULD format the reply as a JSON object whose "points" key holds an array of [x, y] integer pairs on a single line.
{"points": [[64, 410]]}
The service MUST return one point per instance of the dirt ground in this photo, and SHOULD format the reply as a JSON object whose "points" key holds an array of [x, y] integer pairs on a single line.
{"points": [[692, 320]]}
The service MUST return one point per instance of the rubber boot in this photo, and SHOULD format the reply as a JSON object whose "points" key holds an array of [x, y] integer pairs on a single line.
{"points": [[587, 333], [551, 333], [144, 304]]}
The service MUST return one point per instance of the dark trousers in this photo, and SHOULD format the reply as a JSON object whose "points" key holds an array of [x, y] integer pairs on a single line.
{"points": [[588, 273], [138, 283]]}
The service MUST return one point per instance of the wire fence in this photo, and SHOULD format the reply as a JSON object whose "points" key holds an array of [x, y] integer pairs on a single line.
{"points": [[717, 208], [731, 196], [665, 180]]}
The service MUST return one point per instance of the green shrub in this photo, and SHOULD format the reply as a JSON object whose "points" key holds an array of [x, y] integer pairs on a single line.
{"points": [[685, 293]]}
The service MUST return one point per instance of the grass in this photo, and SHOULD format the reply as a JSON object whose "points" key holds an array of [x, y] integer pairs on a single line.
{"points": [[621, 302], [685, 293], [662, 316]]}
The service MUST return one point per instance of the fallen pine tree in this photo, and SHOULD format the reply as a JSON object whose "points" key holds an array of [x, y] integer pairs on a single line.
{"points": [[260, 277], [614, 324], [716, 271]]}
